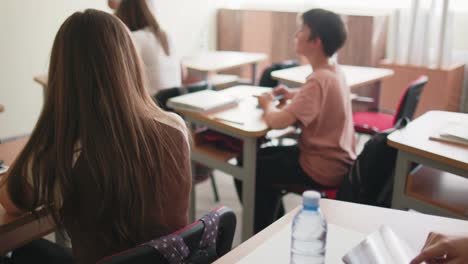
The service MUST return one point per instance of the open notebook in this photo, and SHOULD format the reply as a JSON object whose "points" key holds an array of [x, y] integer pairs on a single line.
{"points": [[203, 101], [380, 247], [456, 133]]}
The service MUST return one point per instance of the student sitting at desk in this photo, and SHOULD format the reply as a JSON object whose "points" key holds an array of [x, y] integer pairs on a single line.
{"points": [[156, 49], [321, 107], [112, 167]]}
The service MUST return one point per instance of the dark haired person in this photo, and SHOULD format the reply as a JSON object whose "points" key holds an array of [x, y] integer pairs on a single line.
{"points": [[109, 164], [162, 65], [321, 107]]}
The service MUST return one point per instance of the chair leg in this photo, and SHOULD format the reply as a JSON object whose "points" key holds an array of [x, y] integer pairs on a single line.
{"points": [[215, 189]]}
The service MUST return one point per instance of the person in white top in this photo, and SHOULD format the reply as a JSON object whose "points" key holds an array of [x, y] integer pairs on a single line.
{"points": [[162, 66]]}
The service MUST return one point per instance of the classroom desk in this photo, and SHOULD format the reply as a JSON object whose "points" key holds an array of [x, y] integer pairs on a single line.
{"points": [[356, 77], [18, 230], [432, 188], [248, 125], [411, 227], [207, 63]]}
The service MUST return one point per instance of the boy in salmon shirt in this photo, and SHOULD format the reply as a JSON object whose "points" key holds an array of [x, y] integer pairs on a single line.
{"points": [[321, 108]]}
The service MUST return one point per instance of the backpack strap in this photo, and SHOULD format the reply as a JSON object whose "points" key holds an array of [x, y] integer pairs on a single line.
{"points": [[172, 247], [206, 252], [210, 234]]}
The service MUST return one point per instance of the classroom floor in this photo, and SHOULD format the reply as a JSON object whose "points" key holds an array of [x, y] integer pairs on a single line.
{"points": [[228, 197]]}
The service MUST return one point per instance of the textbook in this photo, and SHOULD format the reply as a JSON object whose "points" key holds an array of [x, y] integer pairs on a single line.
{"points": [[203, 101], [456, 133], [380, 247]]}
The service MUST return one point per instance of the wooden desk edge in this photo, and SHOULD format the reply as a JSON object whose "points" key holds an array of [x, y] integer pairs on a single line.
{"points": [[426, 154], [211, 70], [250, 245], [33, 228], [213, 122], [375, 80]]}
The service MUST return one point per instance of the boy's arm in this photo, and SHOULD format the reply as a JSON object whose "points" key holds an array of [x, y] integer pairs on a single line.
{"points": [[274, 117], [285, 91]]}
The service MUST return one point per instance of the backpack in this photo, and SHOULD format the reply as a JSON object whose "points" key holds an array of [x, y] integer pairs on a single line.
{"points": [[370, 179], [267, 81]]}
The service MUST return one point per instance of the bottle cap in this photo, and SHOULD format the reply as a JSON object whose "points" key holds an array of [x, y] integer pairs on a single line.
{"points": [[311, 199]]}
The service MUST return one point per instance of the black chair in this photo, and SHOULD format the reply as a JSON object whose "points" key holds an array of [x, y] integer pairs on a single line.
{"points": [[267, 81], [375, 122], [370, 179], [192, 235]]}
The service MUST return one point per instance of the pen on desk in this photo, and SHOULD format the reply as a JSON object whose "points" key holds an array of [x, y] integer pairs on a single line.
{"points": [[275, 97], [229, 121]]}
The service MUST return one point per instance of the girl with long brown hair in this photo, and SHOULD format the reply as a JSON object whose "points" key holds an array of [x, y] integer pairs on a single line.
{"points": [[154, 44], [110, 165]]}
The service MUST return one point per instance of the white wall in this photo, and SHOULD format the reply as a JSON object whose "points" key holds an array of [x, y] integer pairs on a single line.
{"points": [[28, 28], [191, 23]]}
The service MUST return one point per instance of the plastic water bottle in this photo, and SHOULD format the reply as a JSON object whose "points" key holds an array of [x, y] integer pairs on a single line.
{"points": [[309, 232]]}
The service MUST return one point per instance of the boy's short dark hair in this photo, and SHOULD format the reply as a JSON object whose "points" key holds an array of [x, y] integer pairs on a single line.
{"points": [[327, 26]]}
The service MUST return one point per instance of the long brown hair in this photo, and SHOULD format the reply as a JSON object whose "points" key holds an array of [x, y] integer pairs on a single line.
{"points": [[137, 15], [96, 98]]}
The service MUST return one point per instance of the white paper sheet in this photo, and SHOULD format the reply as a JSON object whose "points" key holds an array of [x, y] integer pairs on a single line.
{"points": [[380, 247]]}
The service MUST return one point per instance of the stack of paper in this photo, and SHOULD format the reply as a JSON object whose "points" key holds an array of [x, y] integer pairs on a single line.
{"points": [[203, 101], [381, 247]]}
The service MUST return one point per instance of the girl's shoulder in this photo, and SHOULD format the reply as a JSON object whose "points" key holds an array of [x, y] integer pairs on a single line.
{"points": [[173, 121]]}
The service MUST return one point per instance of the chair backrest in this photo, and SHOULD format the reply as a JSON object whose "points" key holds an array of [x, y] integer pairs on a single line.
{"points": [[191, 236], [267, 81], [410, 99], [163, 96]]}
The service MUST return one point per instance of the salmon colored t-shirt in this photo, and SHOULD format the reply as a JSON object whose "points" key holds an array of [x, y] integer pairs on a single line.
{"points": [[323, 109]]}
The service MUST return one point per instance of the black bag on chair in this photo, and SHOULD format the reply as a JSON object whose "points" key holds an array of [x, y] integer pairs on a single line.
{"points": [[267, 81], [370, 180]]}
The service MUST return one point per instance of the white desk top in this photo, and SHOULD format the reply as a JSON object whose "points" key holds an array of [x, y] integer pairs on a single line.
{"points": [[355, 76], [349, 220], [246, 119], [414, 138], [213, 61]]}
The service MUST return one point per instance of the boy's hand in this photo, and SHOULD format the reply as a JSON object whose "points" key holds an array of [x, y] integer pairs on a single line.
{"points": [[443, 249], [283, 90], [265, 100]]}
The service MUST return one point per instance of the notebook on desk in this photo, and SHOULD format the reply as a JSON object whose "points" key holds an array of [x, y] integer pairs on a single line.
{"points": [[203, 101], [456, 133]]}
